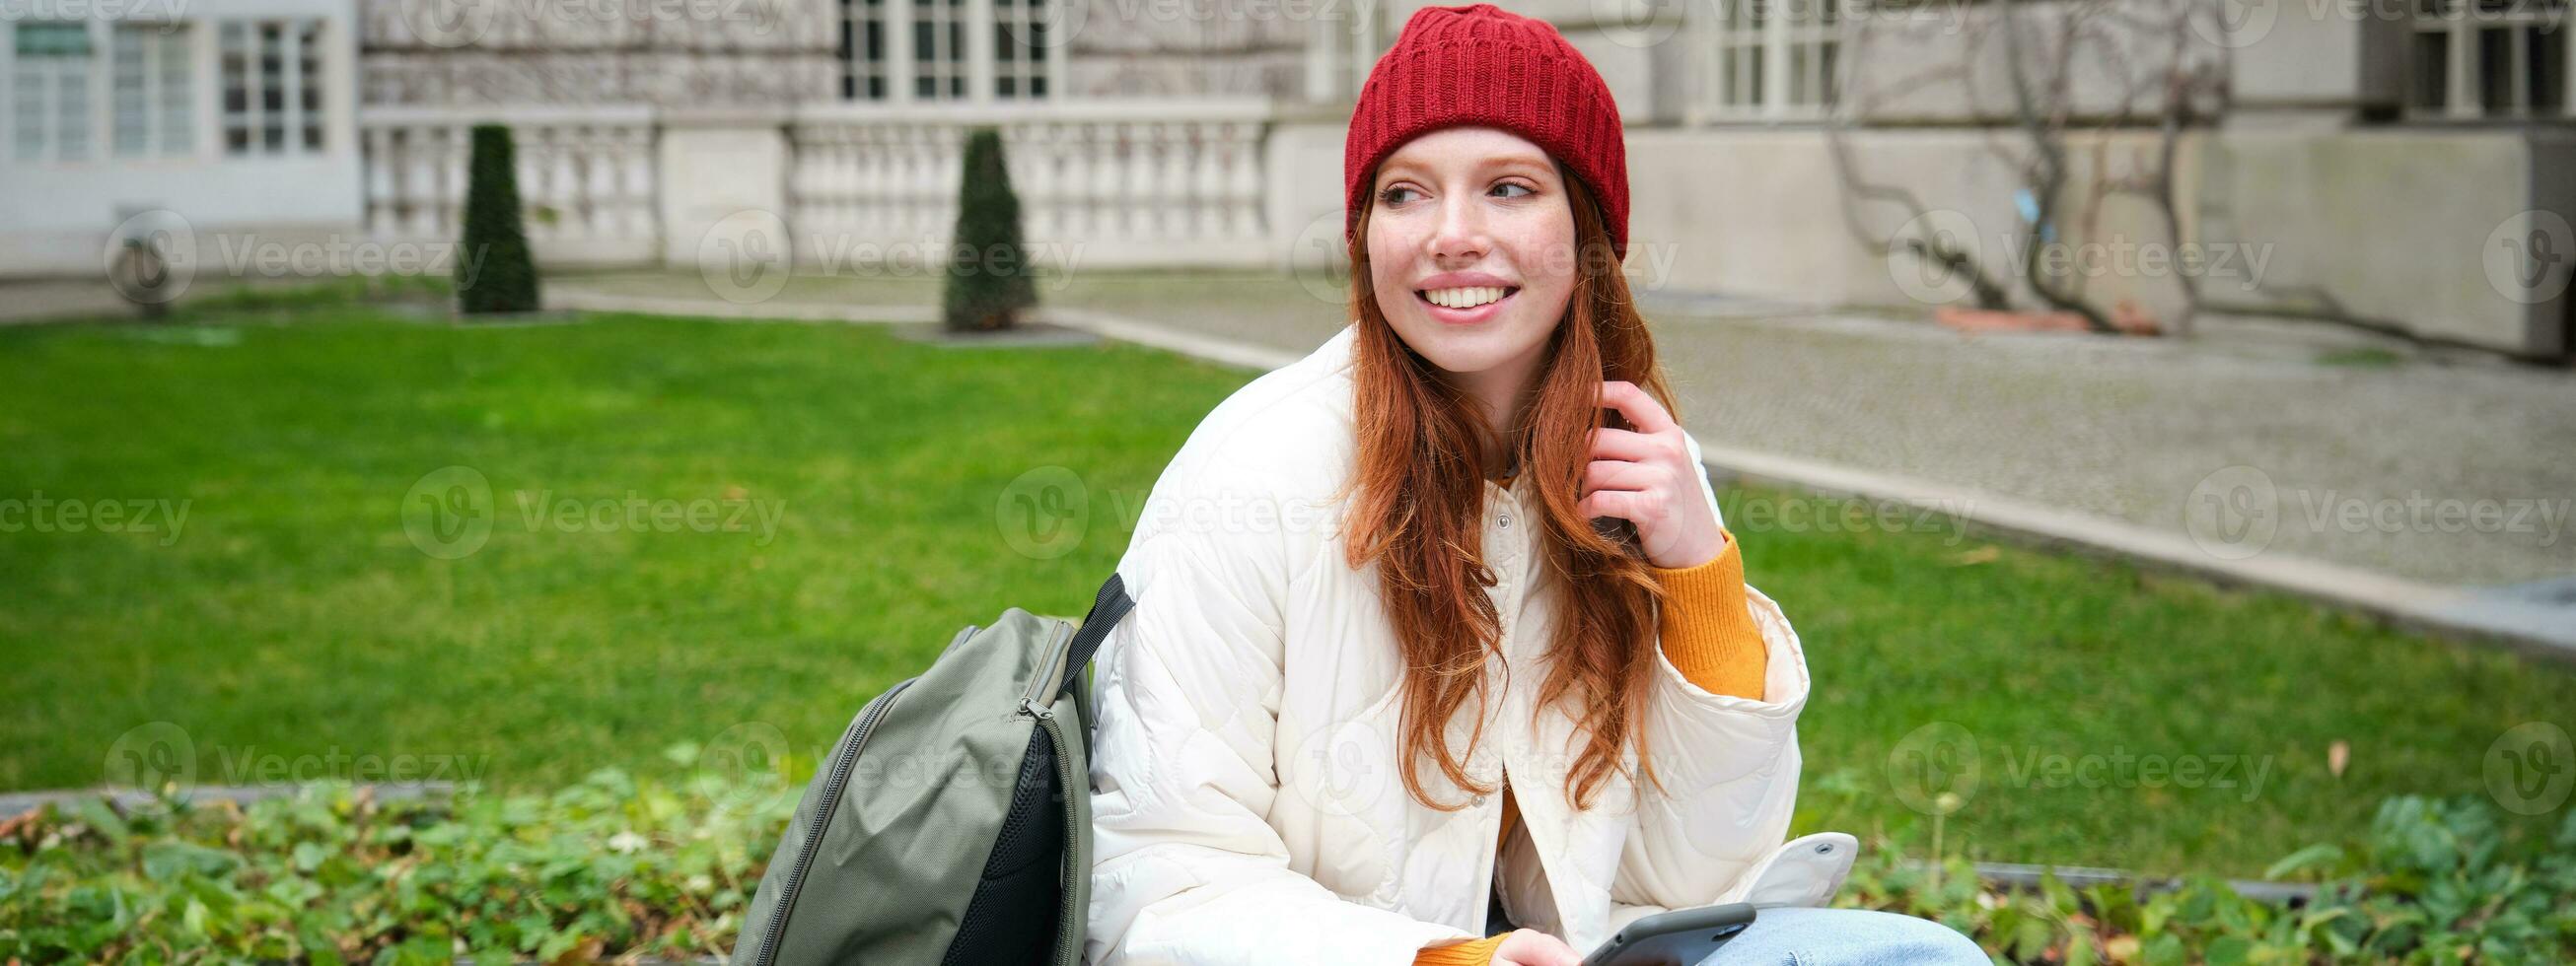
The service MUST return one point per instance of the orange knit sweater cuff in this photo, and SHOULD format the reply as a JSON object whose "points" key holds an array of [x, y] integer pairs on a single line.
{"points": [[1707, 625], [1474, 952]]}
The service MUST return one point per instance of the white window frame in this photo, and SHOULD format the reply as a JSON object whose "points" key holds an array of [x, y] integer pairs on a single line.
{"points": [[1765, 60], [942, 50], [163, 100], [84, 73], [864, 79], [2461, 24], [303, 46], [1027, 73], [963, 63]]}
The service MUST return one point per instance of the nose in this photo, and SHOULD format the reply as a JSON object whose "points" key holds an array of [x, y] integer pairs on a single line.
{"points": [[1461, 237]]}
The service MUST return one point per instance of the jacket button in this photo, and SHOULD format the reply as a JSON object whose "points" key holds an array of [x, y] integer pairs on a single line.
{"points": [[1506, 521], [1480, 801]]}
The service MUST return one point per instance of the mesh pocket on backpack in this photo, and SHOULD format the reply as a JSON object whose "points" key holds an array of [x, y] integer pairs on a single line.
{"points": [[1020, 898]]}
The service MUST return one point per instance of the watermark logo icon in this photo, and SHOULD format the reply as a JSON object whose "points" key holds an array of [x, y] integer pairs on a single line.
{"points": [[1042, 513], [449, 23], [448, 512], [744, 768], [2531, 768], [151, 257], [1929, 256], [1935, 769], [1342, 770], [2236, 24], [744, 256], [1320, 259], [152, 758], [2530, 256], [1046, 25], [1641, 24], [2234, 513]]}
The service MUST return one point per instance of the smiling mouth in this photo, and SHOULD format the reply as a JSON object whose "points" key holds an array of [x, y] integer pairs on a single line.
{"points": [[1469, 297]]}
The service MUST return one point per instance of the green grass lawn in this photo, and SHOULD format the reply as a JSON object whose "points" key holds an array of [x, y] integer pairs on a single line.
{"points": [[849, 483]]}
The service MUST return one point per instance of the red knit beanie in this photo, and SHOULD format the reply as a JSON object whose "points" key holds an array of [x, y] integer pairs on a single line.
{"points": [[1482, 65]]}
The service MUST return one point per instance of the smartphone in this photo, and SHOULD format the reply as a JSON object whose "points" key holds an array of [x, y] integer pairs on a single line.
{"points": [[1681, 937]]}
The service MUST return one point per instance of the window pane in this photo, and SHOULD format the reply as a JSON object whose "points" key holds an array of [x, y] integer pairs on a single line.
{"points": [[53, 40], [178, 86], [129, 103], [2432, 63], [2548, 69], [71, 93], [1825, 54], [309, 74], [31, 92], [1797, 73], [2495, 71]]}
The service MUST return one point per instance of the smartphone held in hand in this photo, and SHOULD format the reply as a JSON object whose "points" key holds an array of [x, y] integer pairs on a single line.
{"points": [[1682, 937]]}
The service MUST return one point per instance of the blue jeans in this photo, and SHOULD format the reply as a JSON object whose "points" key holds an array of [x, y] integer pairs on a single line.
{"points": [[1803, 936], [1846, 937]]}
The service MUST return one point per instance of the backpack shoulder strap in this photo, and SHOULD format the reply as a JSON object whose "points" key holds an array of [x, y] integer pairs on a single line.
{"points": [[1111, 604]]}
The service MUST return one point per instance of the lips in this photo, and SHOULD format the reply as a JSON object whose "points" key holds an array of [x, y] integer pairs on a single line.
{"points": [[1466, 305], [1465, 297]]}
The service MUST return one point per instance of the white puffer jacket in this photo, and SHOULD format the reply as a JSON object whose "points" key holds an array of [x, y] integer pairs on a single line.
{"points": [[1246, 802]]}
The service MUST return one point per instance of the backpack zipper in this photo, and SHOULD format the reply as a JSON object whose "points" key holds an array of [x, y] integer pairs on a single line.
{"points": [[860, 728], [1048, 671], [1068, 940]]}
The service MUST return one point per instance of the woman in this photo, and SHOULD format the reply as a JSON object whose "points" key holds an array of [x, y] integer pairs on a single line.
{"points": [[1422, 650]]}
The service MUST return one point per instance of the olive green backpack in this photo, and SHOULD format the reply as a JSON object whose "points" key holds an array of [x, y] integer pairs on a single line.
{"points": [[952, 822]]}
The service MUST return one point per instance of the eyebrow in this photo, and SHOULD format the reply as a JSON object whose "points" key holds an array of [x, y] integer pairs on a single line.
{"points": [[1524, 160]]}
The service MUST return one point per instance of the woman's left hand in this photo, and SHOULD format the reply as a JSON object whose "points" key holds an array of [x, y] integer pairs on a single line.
{"points": [[1646, 477]]}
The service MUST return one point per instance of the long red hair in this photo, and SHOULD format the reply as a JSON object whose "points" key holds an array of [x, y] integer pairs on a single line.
{"points": [[1419, 508]]}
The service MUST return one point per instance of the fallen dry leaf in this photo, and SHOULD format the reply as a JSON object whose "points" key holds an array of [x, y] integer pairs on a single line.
{"points": [[1968, 558]]}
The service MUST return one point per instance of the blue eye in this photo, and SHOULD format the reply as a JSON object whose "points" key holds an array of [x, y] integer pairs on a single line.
{"points": [[1388, 196], [1522, 188]]}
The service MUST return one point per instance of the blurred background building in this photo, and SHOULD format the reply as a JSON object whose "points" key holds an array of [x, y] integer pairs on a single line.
{"points": [[2408, 165]]}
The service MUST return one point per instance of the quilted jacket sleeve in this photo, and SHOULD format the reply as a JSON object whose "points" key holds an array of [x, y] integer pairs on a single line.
{"points": [[1185, 868], [1729, 768]]}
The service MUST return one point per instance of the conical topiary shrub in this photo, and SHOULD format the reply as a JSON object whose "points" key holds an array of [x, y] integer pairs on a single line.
{"points": [[494, 272], [988, 271]]}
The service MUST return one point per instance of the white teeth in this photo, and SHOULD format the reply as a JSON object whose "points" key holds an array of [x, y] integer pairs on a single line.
{"points": [[1464, 298]]}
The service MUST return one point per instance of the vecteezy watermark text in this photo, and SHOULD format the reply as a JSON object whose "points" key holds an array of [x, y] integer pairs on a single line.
{"points": [[38, 513], [449, 513]]}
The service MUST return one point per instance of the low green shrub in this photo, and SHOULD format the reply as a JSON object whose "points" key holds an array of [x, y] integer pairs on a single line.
{"points": [[616, 868], [2436, 882], [609, 867]]}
